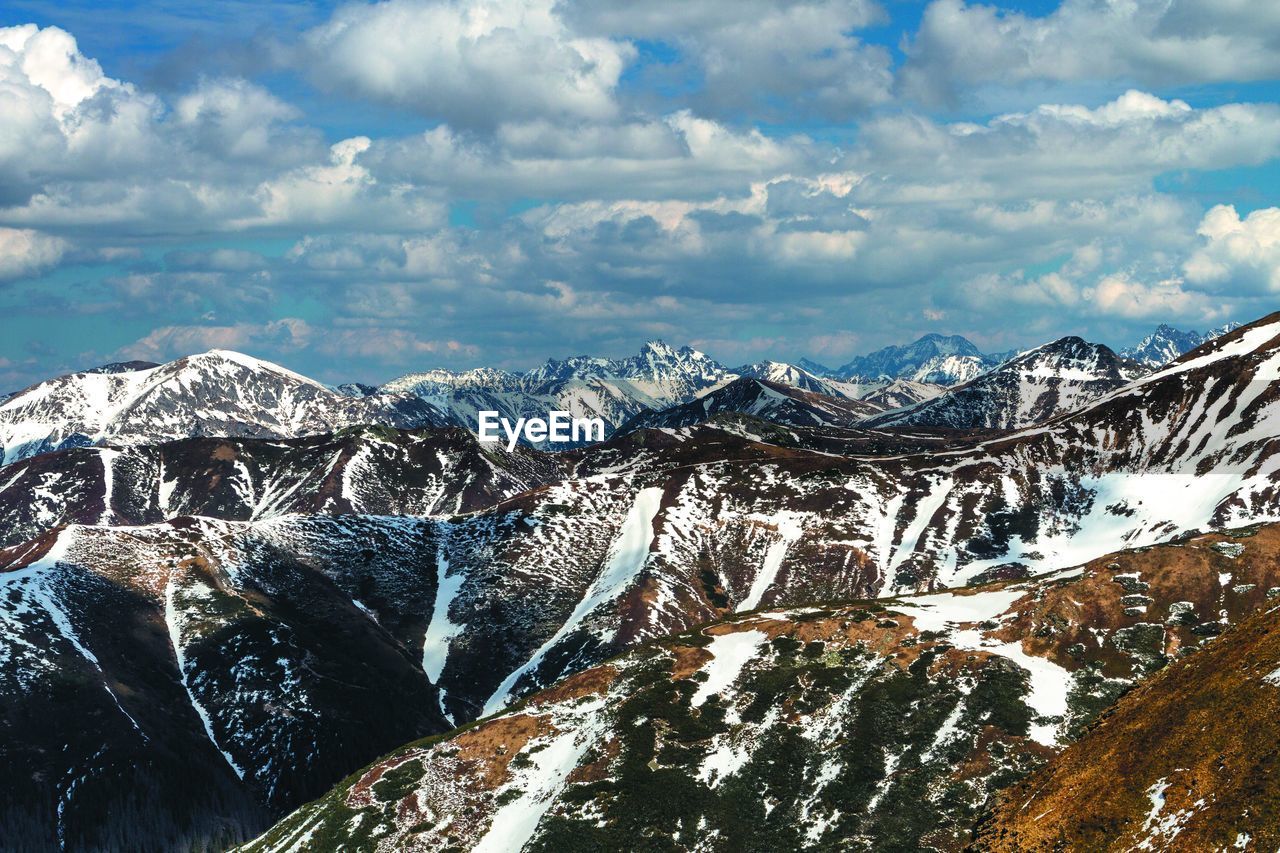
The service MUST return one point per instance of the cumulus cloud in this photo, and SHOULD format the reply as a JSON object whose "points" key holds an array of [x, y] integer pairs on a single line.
{"points": [[24, 252], [1066, 150], [1120, 295], [238, 120], [165, 343], [768, 58], [79, 149], [960, 45], [1238, 251], [471, 64]]}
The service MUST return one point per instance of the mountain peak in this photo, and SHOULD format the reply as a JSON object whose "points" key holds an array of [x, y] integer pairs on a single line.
{"points": [[1167, 343], [937, 358]]}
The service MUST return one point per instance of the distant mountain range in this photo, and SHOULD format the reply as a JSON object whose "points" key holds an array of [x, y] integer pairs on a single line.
{"points": [[226, 393]]}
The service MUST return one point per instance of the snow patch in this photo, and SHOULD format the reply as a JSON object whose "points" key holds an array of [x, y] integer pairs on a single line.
{"points": [[729, 654]]}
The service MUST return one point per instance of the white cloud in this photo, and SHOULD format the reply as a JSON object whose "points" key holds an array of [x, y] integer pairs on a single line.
{"points": [[768, 58], [961, 45], [24, 252], [236, 119], [1068, 151], [289, 334], [1122, 296], [471, 64], [1238, 251]]}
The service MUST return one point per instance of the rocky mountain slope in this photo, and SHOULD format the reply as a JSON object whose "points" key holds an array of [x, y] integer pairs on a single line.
{"points": [[1185, 762], [657, 531], [215, 393], [1034, 387], [460, 581], [371, 470], [880, 725], [902, 392], [172, 685]]}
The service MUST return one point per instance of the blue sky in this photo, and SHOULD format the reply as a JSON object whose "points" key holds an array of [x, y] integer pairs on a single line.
{"points": [[360, 190]]}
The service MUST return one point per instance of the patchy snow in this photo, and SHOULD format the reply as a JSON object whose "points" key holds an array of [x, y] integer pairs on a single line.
{"points": [[891, 760], [789, 526], [174, 619], [441, 631], [1049, 683], [946, 731], [108, 458], [627, 556], [538, 785], [1156, 794], [729, 654], [941, 611]]}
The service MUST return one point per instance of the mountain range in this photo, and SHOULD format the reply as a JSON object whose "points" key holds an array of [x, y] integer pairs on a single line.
{"points": [[782, 614], [142, 402]]}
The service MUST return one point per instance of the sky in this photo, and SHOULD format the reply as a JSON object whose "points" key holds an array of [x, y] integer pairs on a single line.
{"points": [[361, 190]]}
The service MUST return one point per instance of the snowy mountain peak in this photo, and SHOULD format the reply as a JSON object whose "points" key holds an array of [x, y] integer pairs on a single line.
{"points": [[935, 358], [1167, 343], [815, 368], [1041, 383], [219, 392]]}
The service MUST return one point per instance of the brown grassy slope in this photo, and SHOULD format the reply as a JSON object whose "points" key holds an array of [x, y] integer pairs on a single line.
{"points": [[1207, 728]]}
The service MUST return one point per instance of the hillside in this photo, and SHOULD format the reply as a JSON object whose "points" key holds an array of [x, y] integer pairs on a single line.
{"points": [[877, 725]]}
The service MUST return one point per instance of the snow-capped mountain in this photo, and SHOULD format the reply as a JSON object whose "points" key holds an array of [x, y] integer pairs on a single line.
{"points": [[614, 390], [772, 401], [213, 393], [781, 373], [810, 366], [934, 358], [1167, 343], [791, 375], [1034, 387], [619, 391]]}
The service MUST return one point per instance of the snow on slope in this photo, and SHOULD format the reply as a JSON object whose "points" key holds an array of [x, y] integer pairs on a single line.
{"points": [[808, 727], [627, 556]]}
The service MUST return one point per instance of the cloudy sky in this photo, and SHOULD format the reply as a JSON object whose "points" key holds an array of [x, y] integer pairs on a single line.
{"points": [[358, 190]]}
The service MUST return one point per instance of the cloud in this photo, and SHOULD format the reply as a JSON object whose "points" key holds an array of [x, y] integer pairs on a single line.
{"points": [[165, 343], [237, 120], [1238, 251], [1064, 150], [79, 149], [1119, 295], [770, 59], [960, 45], [24, 252], [471, 64]]}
